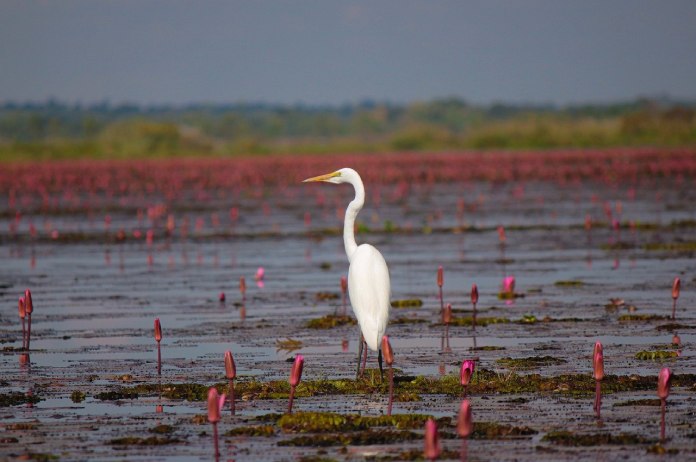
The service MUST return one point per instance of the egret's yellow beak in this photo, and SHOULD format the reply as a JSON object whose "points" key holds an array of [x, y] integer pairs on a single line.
{"points": [[325, 177]]}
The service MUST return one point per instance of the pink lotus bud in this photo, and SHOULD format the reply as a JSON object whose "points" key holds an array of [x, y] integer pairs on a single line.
{"points": [[222, 296], [344, 284], [664, 381], [474, 294], [242, 285], [230, 368], [501, 234], [158, 330], [296, 372], [22, 308], [466, 372], [440, 276], [260, 273], [387, 351], [213, 405], [676, 288], [598, 361], [447, 315], [509, 285], [431, 449], [465, 423], [676, 340], [28, 304]]}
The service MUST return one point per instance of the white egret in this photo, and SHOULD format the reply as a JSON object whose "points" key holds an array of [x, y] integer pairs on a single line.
{"points": [[368, 276]]}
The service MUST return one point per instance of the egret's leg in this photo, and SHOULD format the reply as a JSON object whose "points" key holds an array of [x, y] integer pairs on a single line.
{"points": [[360, 348], [379, 360], [364, 361]]}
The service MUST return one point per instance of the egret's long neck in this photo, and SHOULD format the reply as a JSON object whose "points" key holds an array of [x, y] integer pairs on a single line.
{"points": [[351, 213]]}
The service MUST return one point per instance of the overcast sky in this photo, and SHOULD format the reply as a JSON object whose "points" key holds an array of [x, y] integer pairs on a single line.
{"points": [[325, 51]]}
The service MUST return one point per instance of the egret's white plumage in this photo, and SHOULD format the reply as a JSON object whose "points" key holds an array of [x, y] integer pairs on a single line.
{"points": [[368, 276]]}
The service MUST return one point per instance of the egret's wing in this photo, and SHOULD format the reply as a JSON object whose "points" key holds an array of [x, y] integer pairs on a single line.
{"points": [[370, 291]]}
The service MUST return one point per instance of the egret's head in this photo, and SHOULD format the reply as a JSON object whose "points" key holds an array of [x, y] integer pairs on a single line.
{"points": [[343, 175]]}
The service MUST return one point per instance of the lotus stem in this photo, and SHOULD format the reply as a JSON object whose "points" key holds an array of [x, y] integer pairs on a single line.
{"points": [[598, 397], [464, 450], [663, 408], [28, 330], [159, 359], [232, 396], [292, 397]]}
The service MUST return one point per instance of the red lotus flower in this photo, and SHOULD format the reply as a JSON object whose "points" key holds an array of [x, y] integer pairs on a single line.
{"points": [[466, 372], [230, 368], [387, 351], [158, 330], [474, 294], [296, 372], [440, 276], [431, 449], [28, 303], [676, 288], [214, 404], [664, 382], [465, 423], [598, 361]]}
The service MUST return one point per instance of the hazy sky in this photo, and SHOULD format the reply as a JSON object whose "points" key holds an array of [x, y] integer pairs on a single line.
{"points": [[325, 51]]}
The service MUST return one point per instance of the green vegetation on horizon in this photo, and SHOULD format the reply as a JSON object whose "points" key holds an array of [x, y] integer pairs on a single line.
{"points": [[55, 130]]}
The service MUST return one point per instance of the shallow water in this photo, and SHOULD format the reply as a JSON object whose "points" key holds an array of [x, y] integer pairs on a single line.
{"points": [[95, 300]]}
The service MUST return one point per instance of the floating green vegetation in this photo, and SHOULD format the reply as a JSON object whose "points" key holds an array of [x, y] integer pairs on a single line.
{"points": [[39, 456], [528, 319], [638, 402], [324, 296], [121, 393], [252, 430], [149, 441], [288, 344], [361, 438], [162, 429], [327, 422], [417, 454], [642, 317], [77, 396], [661, 450], [509, 295], [408, 303], [407, 320], [330, 321], [569, 283], [487, 348], [484, 382], [16, 398], [656, 355], [687, 246], [566, 438], [531, 362], [21, 426], [480, 321], [674, 326], [618, 246]]}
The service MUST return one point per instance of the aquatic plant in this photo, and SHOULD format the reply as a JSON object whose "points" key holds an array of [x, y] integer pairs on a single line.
{"points": [[215, 405], [389, 359], [507, 291], [29, 308], [222, 297], [664, 382], [676, 288], [431, 446], [598, 374], [466, 372], [22, 315], [230, 373], [294, 380], [474, 301], [440, 282], [158, 338], [242, 287]]}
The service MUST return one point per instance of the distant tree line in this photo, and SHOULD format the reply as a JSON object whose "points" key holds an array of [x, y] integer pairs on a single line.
{"points": [[55, 129]]}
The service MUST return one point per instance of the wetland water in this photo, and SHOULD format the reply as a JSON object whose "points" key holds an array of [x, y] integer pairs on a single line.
{"points": [[76, 236]]}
